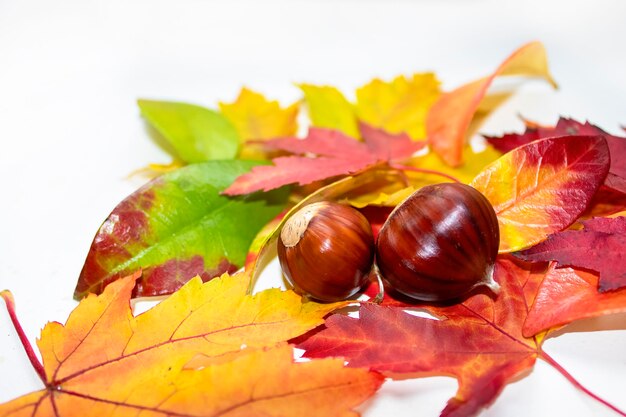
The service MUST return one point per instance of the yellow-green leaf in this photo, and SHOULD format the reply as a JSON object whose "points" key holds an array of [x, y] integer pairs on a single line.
{"points": [[329, 108]]}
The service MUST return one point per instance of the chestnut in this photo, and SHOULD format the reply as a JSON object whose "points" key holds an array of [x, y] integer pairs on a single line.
{"points": [[439, 243], [326, 251]]}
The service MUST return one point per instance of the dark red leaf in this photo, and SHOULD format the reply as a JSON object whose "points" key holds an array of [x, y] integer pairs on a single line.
{"points": [[601, 247], [570, 127]]}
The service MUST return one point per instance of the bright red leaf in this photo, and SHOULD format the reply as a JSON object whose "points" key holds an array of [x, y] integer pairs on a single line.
{"points": [[479, 341], [323, 154], [579, 288], [601, 247]]}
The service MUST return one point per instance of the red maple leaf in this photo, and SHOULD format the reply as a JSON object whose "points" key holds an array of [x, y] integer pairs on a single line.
{"points": [[325, 153], [480, 341], [601, 247]]}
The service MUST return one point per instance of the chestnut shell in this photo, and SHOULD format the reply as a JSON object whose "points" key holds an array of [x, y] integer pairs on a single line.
{"points": [[326, 251], [439, 243]]}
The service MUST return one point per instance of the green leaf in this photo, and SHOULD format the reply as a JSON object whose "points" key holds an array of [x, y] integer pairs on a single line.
{"points": [[178, 226], [197, 134], [329, 108]]}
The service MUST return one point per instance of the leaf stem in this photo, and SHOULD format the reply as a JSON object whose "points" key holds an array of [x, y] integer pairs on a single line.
{"points": [[424, 171], [380, 296], [550, 360], [30, 352]]}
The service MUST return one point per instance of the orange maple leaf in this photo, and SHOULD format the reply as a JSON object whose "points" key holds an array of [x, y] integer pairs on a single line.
{"points": [[105, 361], [450, 117]]}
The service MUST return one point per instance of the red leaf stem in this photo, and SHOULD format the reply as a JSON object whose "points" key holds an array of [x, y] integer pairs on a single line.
{"points": [[30, 352], [550, 360]]}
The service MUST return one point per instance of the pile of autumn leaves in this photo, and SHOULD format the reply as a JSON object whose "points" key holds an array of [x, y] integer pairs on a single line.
{"points": [[214, 348]]}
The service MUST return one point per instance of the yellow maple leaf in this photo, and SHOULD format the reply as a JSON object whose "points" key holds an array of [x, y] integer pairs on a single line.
{"points": [[400, 105], [257, 118], [105, 361]]}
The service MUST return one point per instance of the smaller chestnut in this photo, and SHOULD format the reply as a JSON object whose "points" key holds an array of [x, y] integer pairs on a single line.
{"points": [[326, 251]]}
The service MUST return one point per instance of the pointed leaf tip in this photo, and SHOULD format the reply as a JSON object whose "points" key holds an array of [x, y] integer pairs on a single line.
{"points": [[449, 118]]}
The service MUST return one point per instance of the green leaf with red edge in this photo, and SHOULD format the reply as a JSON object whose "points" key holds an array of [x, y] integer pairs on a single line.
{"points": [[333, 154], [600, 247], [178, 226], [543, 187], [481, 341]]}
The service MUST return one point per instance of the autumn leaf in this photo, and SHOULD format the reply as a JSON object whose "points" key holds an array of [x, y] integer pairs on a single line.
{"points": [[399, 105], [569, 127], [606, 202], [600, 247], [580, 289], [105, 361], [478, 341], [261, 237], [195, 133], [475, 162], [178, 226], [257, 118], [488, 104], [389, 196], [334, 154], [328, 108], [420, 171], [449, 118], [543, 187], [579, 298]]}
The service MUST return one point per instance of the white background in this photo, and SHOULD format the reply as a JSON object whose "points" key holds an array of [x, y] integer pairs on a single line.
{"points": [[70, 72]]}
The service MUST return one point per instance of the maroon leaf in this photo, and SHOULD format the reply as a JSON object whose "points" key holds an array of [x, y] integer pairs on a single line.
{"points": [[600, 247], [570, 127], [615, 182]]}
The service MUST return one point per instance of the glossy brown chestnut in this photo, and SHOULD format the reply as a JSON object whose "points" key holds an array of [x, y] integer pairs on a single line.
{"points": [[326, 251], [439, 243]]}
